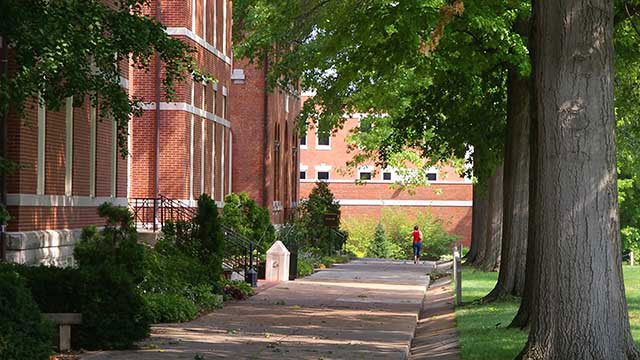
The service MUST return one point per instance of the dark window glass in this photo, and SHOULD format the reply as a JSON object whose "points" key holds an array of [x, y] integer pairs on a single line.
{"points": [[432, 176], [303, 175], [303, 140], [323, 139], [323, 175], [386, 176], [365, 176]]}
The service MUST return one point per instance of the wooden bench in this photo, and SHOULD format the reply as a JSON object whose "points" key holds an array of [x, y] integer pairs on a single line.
{"points": [[64, 321]]}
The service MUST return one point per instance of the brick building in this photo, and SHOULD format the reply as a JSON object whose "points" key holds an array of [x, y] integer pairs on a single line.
{"points": [[448, 196], [72, 164], [266, 150], [193, 132]]}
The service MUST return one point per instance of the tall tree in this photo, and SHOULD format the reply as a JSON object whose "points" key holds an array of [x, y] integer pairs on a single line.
{"points": [[580, 308]]}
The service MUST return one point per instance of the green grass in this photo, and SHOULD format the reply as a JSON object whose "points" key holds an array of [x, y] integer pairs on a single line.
{"points": [[482, 328]]}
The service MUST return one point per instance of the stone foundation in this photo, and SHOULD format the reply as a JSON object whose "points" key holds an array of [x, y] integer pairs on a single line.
{"points": [[48, 247]]}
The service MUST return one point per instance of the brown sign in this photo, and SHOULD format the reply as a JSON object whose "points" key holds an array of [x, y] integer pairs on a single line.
{"points": [[331, 220]]}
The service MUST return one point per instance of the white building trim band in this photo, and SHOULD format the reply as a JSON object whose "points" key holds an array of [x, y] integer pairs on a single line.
{"points": [[183, 31], [181, 106], [373, 202], [62, 200]]}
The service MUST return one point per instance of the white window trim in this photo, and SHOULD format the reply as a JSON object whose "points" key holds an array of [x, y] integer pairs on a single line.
{"points": [[42, 133], [304, 167], [224, 27], [68, 149], [114, 157], [203, 146], [183, 31], [190, 108], [213, 160], [204, 19], [286, 103], [322, 147], [230, 160], [223, 112], [391, 171], [92, 151], [365, 169], [306, 142], [191, 134], [222, 166], [215, 23], [193, 16]]}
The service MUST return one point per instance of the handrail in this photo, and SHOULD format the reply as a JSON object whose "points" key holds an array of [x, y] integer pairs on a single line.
{"points": [[240, 254]]}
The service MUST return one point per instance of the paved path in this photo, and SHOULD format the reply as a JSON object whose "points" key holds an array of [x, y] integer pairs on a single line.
{"points": [[436, 337], [361, 310]]}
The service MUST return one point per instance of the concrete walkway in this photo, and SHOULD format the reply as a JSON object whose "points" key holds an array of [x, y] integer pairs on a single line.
{"points": [[361, 310], [436, 337]]}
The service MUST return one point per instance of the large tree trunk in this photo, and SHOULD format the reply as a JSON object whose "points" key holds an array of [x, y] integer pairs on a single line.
{"points": [[580, 310], [478, 213], [489, 253], [516, 190]]}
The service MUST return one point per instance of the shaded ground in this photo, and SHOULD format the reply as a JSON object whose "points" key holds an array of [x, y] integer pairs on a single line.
{"points": [[360, 310], [436, 337]]}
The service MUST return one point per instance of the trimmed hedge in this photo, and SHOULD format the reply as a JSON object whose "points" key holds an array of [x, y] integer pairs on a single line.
{"points": [[24, 333]]}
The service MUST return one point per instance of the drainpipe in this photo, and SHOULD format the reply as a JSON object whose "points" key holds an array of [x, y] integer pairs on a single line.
{"points": [[3, 143], [265, 146], [157, 159]]}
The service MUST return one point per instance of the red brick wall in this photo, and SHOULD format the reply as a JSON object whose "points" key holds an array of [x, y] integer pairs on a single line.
{"points": [[253, 152], [175, 126]]}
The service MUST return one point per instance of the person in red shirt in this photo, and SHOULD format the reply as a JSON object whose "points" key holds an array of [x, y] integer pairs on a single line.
{"points": [[417, 244]]}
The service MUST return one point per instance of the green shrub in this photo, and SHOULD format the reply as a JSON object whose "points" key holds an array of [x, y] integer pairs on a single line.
{"points": [[208, 235], [170, 307], [243, 214], [114, 314], [305, 267], [236, 290], [379, 248], [179, 278], [398, 226], [319, 238], [24, 333]]}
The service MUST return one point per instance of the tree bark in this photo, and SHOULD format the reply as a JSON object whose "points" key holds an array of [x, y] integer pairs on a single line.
{"points": [[580, 306], [478, 212], [515, 190], [489, 252]]}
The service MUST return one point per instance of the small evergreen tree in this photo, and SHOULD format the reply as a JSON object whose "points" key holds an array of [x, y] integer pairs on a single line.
{"points": [[379, 248], [245, 216], [312, 212], [209, 235]]}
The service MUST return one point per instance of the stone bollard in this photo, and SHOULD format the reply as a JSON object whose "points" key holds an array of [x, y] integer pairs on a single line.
{"points": [[457, 275], [277, 267]]}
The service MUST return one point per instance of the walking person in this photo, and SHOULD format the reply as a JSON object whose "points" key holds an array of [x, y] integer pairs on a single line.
{"points": [[417, 244]]}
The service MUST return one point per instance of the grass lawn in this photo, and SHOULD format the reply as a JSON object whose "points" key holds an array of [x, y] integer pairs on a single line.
{"points": [[482, 328]]}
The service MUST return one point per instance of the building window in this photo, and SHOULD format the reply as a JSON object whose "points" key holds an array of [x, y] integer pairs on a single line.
{"points": [[386, 176], [365, 175], [303, 175], [303, 142], [92, 150], [324, 140], [224, 106], [286, 103], [432, 176], [323, 175], [204, 96], [213, 103]]}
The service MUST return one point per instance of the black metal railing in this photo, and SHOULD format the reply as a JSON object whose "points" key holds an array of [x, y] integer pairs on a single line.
{"points": [[153, 213], [240, 253]]}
